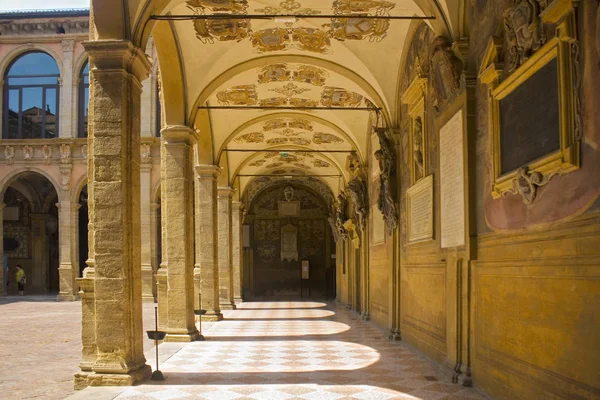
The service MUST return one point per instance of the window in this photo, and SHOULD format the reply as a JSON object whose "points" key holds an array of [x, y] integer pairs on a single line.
{"points": [[31, 95], [84, 98]]}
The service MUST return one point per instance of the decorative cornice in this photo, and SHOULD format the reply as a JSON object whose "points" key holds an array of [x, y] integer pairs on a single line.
{"points": [[54, 27]]}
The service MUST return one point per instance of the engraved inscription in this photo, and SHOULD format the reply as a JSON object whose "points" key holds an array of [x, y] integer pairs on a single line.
{"points": [[452, 185], [420, 210]]}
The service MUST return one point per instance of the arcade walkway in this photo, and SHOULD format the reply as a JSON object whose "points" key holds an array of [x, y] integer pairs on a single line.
{"points": [[292, 350]]}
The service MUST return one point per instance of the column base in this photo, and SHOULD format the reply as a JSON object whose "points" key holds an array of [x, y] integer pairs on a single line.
{"points": [[227, 306], [83, 379], [66, 297], [238, 300], [148, 299], [212, 316], [394, 335], [365, 316], [182, 337]]}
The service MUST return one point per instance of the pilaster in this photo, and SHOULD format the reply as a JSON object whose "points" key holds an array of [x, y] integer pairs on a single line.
{"points": [[178, 232], [67, 239], [224, 195], [2, 270], [67, 98], [236, 252], [114, 188], [206, 271], [146, 226]]}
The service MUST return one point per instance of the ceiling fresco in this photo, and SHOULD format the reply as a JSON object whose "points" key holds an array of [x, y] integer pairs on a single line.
{"points": [[292, 36]]}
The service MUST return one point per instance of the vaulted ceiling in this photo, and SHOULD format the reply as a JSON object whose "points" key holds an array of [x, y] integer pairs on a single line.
{"points": [[220, 73]]}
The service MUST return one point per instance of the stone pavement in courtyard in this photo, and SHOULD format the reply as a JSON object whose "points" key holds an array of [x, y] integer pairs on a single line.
{"points": [[289, 351], [40, 346]]}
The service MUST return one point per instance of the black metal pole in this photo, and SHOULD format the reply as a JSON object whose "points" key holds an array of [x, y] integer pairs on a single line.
{"points": [[156, 339], [188, 17], [289, 108]]}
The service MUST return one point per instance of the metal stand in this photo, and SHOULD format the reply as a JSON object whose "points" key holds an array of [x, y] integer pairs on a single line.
{"points": [[156, 335]]}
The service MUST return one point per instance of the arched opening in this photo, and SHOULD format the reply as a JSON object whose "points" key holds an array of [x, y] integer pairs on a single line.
{"points": [[31, 235], [82, 231], [31, 97], [290, 244]]}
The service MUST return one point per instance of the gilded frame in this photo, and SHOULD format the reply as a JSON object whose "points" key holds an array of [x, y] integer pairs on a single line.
{"points": [[559, 47]]}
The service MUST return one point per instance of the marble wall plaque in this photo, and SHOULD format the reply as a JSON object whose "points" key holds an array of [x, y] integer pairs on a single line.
{"points": [[419, 209], [452, 183]]}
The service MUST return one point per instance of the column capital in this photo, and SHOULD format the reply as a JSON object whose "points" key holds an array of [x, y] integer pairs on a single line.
{"points": [[177, 134], [207, 171], [237, 205], [107, 55], [225, 191]]}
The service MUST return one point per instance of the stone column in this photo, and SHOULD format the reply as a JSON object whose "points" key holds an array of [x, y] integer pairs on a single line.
{"points": [[146, 225], [207, 264], [39, 252], [2, 277], [154, 246], [225, 253], [114, 183], [67, 98], [178, 233], [237, 249], [66, 271]]}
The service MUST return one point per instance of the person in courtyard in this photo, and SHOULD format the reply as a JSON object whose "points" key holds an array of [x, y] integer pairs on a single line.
{"points": [[21, 279]]}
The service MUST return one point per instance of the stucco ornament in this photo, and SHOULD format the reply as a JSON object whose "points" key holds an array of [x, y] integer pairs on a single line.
{"points": [[418, 148], [65, 178], [357, 189], [446, 69], [340, 216], [289, 193], [9, 154], [386, 156], [27, 152], [523, 30], [47, 154], [84, 151], [527, 182], [65, 153], [145, 153]]}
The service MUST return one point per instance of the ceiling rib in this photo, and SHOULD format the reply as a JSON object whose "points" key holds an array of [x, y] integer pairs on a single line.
{"points": [[189, 17]]}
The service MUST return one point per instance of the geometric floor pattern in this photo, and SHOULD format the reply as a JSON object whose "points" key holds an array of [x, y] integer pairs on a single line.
{"points": [[297, 350]]}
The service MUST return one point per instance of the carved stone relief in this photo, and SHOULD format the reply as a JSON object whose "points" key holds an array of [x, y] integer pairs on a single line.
{"points": [[145, 153], [9, 154], [27, 152], [47, 154], [527, 182], [65, 153], [446, 69], [386, 156], [523, 30]]}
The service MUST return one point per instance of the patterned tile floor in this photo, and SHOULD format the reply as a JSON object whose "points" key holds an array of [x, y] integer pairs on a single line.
{"points": [[297, 350]]}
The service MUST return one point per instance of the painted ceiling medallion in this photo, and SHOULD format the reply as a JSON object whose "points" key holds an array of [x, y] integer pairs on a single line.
{"points": [[274, 165], [274, 73], [288, 7], [339, 97], [283, 72], [378, 7], [359, 28], [307, 74], [277, 140], [325, 138], [223, 30], [232, 6], [242, 95], [279, 39], [281, 123], [321, 164], [289, 132], [257, 163], [289, 90], [254, 137]]}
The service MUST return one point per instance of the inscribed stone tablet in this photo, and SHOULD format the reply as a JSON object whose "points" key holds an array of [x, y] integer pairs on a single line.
{"points": [[420, 210], [452, 185]]}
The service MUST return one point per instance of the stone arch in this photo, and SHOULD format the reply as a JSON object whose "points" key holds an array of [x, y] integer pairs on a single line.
{"points": [[13, 175], [15, 54]]}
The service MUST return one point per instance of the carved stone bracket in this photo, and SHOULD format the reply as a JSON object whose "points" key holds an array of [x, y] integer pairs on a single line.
{"points": [[527, 182], [524, 32], [386, 156]]}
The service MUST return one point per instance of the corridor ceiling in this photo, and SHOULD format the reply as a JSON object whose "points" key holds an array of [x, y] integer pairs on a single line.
{"points": [[352, 61]]}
